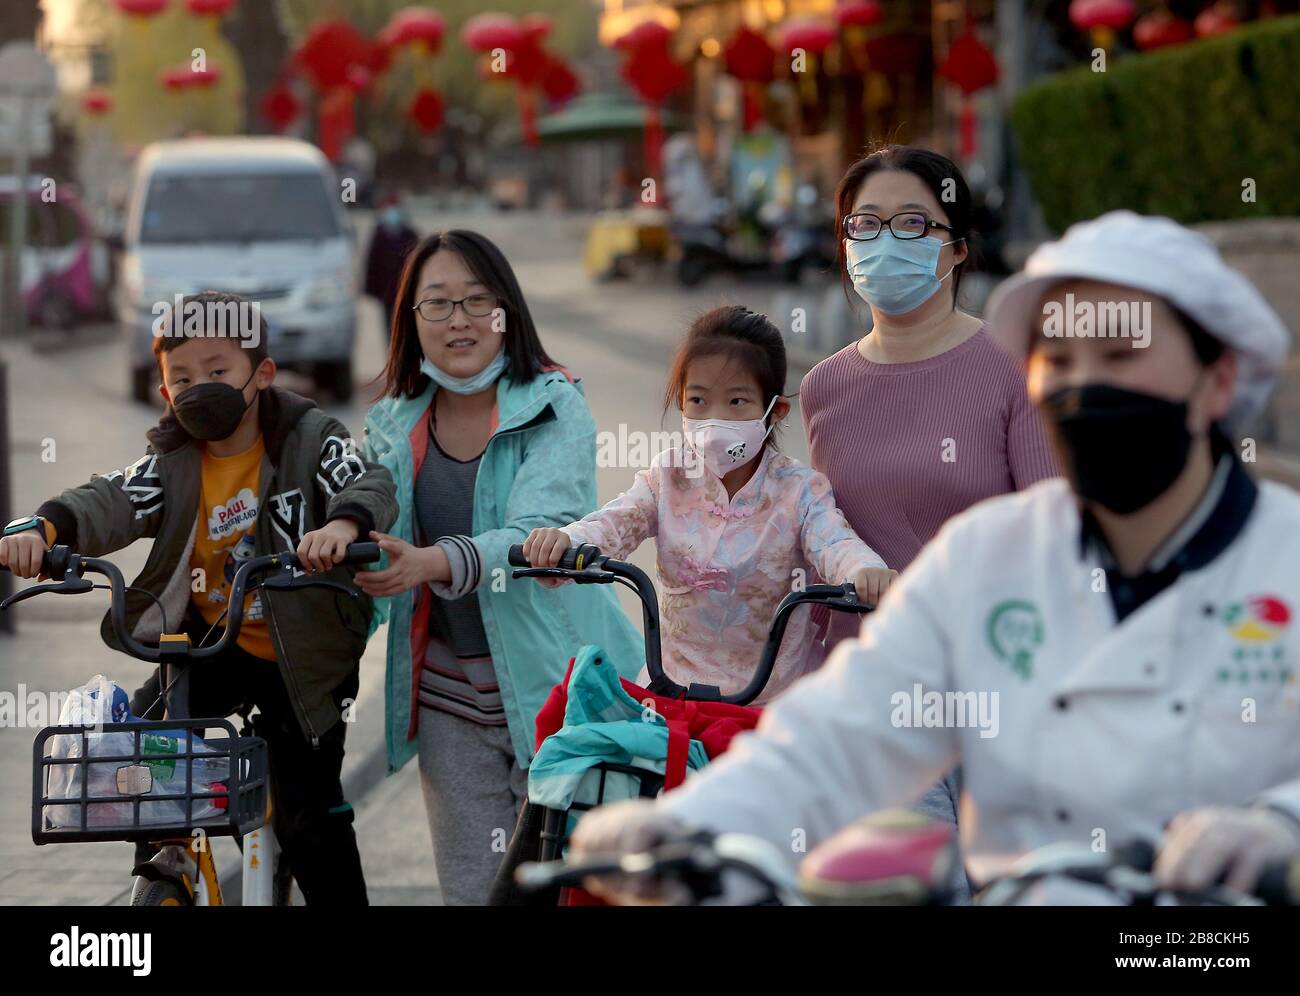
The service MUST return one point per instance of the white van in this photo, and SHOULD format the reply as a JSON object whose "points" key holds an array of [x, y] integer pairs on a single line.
{"points": [[261, 217]]}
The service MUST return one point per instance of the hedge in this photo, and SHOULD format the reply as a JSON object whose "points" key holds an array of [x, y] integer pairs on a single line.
{"points": [[1172, 132]]}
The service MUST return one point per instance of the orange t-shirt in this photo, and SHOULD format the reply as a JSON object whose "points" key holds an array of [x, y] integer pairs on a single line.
{"points": [[228, 507]]}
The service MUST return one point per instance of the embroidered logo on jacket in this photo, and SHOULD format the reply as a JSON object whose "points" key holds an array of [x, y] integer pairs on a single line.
{"points": [[339, 465], [1015, 632]]}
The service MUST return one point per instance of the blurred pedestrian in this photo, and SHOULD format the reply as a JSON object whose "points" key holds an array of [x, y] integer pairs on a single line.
{"points": [[392, 239]]}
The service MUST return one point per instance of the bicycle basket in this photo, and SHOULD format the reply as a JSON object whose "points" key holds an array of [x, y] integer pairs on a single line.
{"points": [[146, 780]]}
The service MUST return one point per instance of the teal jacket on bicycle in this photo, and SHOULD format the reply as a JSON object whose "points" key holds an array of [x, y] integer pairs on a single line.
{"points": [[538, 469]]}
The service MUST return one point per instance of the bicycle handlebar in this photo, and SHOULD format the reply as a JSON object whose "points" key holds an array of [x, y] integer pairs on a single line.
{"points": [[697, 861], [585, 564], [60, 562]]}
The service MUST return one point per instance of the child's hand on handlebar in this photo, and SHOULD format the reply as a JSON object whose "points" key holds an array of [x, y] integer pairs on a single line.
{"points": [[628, 827], [544, 548], [320, 549], [23, 552], [872, 583]]}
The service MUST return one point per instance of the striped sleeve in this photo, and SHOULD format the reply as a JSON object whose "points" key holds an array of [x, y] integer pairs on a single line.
{"points": [[466, 567]]}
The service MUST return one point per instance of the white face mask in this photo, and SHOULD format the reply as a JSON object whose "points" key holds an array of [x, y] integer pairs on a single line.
{"points": [[724, 444]]}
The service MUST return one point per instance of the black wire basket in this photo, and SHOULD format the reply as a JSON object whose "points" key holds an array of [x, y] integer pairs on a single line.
{"points": [[146, 780]]}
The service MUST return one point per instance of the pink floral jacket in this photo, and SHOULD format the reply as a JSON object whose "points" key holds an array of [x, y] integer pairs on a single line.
{"points": [[724, 565]]}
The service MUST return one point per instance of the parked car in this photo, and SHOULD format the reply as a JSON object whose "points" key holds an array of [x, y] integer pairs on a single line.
{"points": [[261, 217]]}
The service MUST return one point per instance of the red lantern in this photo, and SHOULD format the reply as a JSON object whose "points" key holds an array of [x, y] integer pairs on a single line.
{"points": [[969, 66], [425, 110], [748, 56], [560, 83], [337, 122], [414, 26], [201, 8], [653, 73], [535, 26], [176, 79], [647, 34], [814, 37], [1218, 19], [329, 50], [280, 106], [140, 8], [859, 14], [1102, 18], [204, 77], [485, 32], [97, 102], [1161, 28]]}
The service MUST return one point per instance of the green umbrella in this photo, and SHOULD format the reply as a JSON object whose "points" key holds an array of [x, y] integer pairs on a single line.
{"points": [[596, 116]]}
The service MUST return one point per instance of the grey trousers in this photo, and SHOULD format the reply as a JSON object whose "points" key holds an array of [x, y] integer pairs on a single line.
{"points": [[473, 790]]}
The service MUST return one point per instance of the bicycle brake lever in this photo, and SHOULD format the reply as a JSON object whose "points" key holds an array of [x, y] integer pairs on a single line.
{"points": [[577, 577], [287, 582], [68, 586]]}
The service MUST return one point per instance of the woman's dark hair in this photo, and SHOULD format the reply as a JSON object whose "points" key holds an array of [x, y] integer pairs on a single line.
{"points": [[524, 353], [739, 334], [937, 172]]}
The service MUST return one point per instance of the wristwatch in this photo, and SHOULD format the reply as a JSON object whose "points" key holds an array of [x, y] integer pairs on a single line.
{"points": [[23, 524]]}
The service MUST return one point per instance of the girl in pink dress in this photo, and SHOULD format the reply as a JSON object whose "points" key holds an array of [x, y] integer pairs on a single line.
{"points": [[737, 524]]}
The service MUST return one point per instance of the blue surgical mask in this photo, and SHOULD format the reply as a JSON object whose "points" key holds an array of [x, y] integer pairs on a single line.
{"points": [[895, 275], [481, 381]]}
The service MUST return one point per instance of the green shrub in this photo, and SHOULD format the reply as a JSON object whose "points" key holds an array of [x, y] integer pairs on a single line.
{"points": [[1172, 132]]}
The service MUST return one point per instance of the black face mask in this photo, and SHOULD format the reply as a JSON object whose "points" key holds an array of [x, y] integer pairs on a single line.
{"points": [[1121, 449], [211, 411]]}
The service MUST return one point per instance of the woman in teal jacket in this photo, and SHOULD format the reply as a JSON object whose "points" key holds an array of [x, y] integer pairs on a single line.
{"points": [[486, 439]]}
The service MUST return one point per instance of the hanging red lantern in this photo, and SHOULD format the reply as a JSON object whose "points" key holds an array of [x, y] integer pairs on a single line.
{"points": [[647, 34], [560, 83], [414, 26], [1161, 28], [653, 73], [425, 110], [859, 14], [1102, 18], [329, 50], [970, 66], [97, 102], [812, 38], [1217, 19], [176, 79], [202, 8], [280, 106], [749, 57], [336, 122], [140, 8], [485, 32], [204, 78]]}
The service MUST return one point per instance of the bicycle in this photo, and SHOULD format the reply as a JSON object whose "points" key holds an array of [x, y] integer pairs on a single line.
{"points": [[892, 859], [585, 564], [183, 872]]}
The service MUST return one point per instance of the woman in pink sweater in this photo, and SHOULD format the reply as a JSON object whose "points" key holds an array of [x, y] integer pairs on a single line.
{"points": [[923, 416]]}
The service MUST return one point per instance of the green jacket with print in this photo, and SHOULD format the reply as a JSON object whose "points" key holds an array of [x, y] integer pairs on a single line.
{"points": [[311, 473]]}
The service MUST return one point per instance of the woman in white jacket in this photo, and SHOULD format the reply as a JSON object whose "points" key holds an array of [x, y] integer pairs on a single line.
{"points": [[1111, 656]]}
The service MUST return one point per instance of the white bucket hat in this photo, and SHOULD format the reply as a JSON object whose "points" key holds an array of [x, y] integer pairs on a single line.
{"points": [[1161, 257]]}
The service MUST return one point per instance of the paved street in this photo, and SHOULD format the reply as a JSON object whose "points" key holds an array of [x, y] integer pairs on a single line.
{"points": [[617, 337]]}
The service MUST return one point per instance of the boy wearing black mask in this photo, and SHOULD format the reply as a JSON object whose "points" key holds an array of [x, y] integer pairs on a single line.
{"points": [[236, 468]]}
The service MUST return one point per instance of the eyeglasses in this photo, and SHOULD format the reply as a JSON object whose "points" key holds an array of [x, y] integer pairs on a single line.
{"points": [[906, 225], [439, 309]]}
